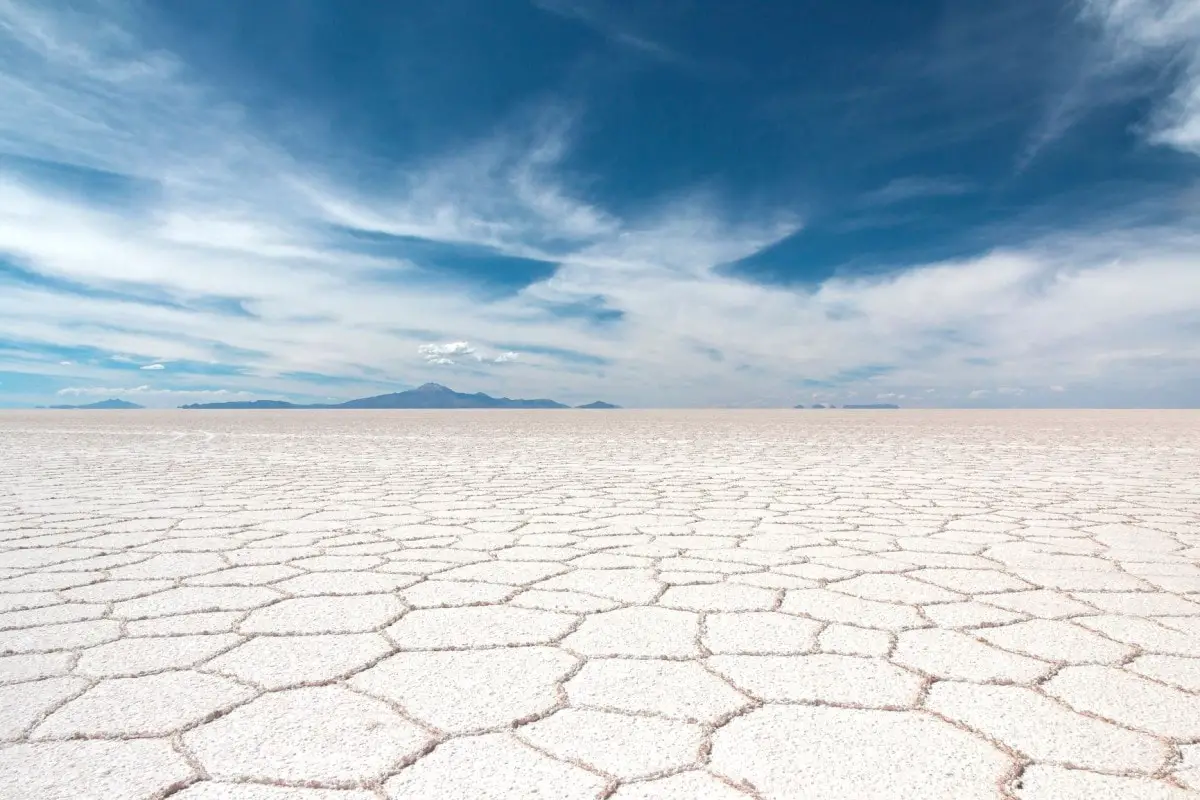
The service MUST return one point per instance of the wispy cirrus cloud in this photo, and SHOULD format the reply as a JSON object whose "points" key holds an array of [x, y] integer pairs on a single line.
{"points": [[1165, 34], [596, 15], [916, 187], [1137, 48]]}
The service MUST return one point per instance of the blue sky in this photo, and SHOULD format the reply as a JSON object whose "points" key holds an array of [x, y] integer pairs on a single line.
{"points": [[672, 203]]}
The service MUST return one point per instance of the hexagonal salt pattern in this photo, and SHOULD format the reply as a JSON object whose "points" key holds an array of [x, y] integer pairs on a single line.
{"points": [[719, 605]]}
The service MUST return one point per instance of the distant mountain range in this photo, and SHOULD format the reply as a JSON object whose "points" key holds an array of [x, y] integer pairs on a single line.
{"points": [[103, 404], [430, 395]]}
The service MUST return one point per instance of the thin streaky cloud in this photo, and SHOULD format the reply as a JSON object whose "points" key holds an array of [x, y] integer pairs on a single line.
{"points": [[899, 190], [596, 16]]}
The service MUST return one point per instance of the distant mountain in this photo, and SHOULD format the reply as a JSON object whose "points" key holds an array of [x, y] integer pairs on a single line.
{"points": [[818, 405], [874, 406], [430, 395], [242, 404], [103, 404], [801, 406], [598, 404], [434, 395]]}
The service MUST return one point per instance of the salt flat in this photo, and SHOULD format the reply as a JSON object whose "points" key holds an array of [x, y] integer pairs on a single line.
{"points": [[568, 604]]}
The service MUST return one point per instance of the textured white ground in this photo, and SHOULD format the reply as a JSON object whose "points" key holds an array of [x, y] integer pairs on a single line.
{"points": [[804, 604]]}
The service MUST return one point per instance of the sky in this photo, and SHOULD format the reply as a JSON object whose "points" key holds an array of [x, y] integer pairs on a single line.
{"points": [[678, 203]]}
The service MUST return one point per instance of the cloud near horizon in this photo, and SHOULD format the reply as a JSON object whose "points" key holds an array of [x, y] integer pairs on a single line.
{"points": [[157, 210]]}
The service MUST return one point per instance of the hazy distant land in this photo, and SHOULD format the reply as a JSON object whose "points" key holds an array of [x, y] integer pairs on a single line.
{"points": [[427, 396]]}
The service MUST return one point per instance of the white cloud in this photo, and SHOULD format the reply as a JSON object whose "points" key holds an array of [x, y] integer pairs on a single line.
{"points": [[452, 353], [1058, 388], [976, 394], [448, 349], [446, 354], [153, 366]]}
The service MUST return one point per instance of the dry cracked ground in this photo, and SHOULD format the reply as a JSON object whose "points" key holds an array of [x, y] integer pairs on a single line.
{"points": [[359, 606]]}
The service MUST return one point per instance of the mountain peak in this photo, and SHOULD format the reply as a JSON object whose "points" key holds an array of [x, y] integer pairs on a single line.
{"points": [[432, 387]]}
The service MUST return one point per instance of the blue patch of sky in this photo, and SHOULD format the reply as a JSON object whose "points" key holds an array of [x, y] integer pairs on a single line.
{"points": [[225, 351], [816, 254], [321, 379], [41, 352], [594, 310], [394, 83], [96, 186], [484, 270], [24, 389], [14, 382], [228, 355], [13, 273], [864, 372]]}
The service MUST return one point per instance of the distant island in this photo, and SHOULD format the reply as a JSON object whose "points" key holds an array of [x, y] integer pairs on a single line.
{"points": [[430, 395], [598, 404], [110, 404]]}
